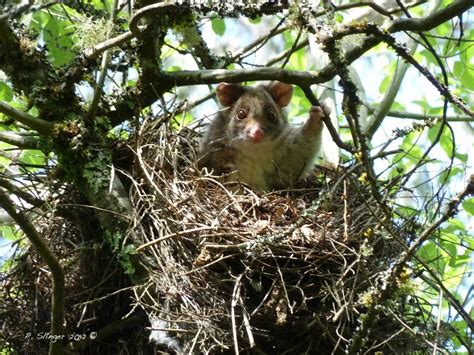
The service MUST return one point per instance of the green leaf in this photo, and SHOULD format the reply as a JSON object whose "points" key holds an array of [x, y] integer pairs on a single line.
{"points": [[468, 206], [39, 20], [446, 139], [298, 60], [432, 110], [446, 142], [6, 93], [428, 251], [414, 153], [448, 174], [397, 106], [99, 4], [443, 29], [406, 211], [4, 163], [339, 18], [129, 249], [461, 327], [433, 132], [57, 35], [459, 261], [461, 157], [384, 84], [33, 157], [451, 249], [255, 20], [183, 119], [51, 31], [8, 232], [218, 26], [429, 57], [464, 74], [454, 225], [432, 255]]}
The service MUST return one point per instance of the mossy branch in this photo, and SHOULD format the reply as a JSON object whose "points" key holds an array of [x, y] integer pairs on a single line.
{"points": [[44, 88], [214, 76]]}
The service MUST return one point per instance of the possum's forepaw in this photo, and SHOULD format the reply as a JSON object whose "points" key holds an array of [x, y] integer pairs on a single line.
{"points": [[315, 121], [319, 111]]}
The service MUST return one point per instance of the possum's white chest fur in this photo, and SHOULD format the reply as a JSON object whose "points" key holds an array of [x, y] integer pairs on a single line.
{"points": [[255, 164], [279, 162]]}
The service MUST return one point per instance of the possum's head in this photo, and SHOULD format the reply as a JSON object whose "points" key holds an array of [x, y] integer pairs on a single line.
{"points": [[254, 114]]}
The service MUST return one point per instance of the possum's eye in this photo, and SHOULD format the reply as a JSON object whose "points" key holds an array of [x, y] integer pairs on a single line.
{"points": [[272, 116], [241, 114]]}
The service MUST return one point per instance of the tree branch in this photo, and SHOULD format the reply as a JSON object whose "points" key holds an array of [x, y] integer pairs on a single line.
{"points": [[456, 8], [287, 52], [327, 121], [32, 200], [19, 141], [375, 7], [98, 90], [146, 11], [214, 76], [92, 54], [389, 97], [26, 8], [57, 272], [421, 116], [38, 124]]}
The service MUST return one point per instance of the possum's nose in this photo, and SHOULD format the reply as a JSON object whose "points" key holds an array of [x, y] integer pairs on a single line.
{"points": [[256, 134]]}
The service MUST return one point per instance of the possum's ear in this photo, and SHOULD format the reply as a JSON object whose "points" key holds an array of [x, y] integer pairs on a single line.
{"points": [[281, 93], [227, 94]]}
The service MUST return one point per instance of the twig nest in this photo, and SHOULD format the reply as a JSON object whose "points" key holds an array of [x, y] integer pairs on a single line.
{"points": [[234, 270]]}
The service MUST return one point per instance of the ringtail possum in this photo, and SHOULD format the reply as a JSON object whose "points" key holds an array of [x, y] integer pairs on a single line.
{"points": [[252, 141]]}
